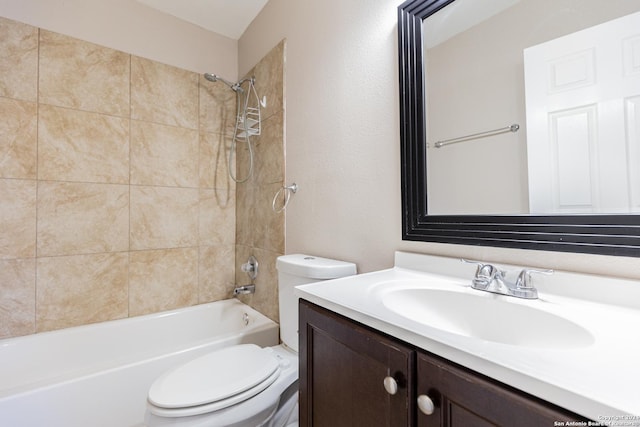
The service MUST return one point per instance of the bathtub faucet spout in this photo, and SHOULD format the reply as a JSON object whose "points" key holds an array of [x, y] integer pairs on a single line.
{"points": [[244, 290]]}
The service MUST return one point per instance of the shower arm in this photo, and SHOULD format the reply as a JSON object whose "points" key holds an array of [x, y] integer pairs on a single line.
{"points": [[244, 128], [237, 86]]}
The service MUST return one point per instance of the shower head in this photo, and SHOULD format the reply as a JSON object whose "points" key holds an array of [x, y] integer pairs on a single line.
{"points": [[214, 78], [211, 77]]}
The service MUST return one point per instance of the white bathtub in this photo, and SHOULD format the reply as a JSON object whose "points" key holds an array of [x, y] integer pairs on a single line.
{"points": [[98, 375]]}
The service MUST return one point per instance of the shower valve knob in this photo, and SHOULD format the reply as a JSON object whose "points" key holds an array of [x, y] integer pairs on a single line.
{"points": [[251, 267]]}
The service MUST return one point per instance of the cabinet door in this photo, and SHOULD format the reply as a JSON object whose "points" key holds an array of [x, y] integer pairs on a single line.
{"points": [[463, 398], [343, 366]]}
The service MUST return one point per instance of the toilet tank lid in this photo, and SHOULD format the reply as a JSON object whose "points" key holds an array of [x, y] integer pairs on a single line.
{"points": [[314, 267]]}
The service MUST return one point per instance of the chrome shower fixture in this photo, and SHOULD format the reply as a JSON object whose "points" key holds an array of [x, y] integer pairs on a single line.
{"points": [[214, 78], [251, 268], [247, 119]]}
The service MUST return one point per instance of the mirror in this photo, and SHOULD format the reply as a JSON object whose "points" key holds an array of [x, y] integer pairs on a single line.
{"points": [[501, 189], [564, 78]]}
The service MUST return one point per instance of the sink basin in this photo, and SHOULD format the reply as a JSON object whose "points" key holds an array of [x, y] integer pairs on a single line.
{"points": [[487, 317]]}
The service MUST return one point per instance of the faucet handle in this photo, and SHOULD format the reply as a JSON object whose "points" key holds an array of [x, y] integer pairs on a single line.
{"points": [[481, 265], [251, 268], [485, 273], [524, 278], [482, 271]]}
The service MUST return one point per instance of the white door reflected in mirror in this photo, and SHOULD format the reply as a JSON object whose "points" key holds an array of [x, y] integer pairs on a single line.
{"points": [[583, 120], [475, 81]]}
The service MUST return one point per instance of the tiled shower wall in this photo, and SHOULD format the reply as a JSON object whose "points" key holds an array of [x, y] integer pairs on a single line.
{"points": [[259, 229], [115, 197]]}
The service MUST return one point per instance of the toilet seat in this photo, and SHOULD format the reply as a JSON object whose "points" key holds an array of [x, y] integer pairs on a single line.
{"points": [[252, 412], [214, 381]]}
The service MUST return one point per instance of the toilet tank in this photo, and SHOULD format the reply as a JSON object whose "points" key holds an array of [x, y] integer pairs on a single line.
{"points": [[300, 269]]}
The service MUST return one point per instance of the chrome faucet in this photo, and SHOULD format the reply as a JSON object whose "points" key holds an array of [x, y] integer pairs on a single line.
{"points": [[251, 268], [244, 290], [492, 279]]}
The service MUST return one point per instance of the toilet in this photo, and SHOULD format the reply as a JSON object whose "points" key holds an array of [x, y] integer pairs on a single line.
{"points": [[244, 385]]}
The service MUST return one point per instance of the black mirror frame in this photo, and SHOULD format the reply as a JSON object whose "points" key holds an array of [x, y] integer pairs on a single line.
{"points": [[617, 235]]}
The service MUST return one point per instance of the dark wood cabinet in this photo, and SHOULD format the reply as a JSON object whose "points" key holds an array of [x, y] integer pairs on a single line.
{"points": [[342, 373], [463, 398], [344, 366]]}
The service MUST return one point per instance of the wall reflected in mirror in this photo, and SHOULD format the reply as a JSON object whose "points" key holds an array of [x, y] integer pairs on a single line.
{"points": [[568, 73]]}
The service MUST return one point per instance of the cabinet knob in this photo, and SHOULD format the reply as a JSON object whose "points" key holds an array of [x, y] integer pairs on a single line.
{"points": [[425, 404], [390, 385]]}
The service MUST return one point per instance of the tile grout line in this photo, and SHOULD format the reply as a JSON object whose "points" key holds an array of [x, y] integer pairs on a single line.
{"points": [[35, 260]]}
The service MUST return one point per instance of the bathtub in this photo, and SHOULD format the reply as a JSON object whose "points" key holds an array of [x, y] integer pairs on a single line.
{"points": [[98, 375]]}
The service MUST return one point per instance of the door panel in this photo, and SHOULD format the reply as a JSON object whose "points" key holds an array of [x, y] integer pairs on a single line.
{"points": [[343, 366], [464, 398], [578, 91]]}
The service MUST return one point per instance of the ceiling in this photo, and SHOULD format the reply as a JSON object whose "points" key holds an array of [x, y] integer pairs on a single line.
{"points": [[459, 17], [227, 17]]}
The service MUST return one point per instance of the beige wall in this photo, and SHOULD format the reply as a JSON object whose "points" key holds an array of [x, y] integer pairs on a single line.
{"points": [[341, 126], [342, 137], [111, 206], [131, 27]]}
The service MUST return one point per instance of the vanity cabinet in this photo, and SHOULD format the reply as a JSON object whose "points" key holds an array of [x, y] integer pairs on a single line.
{"points": [[345, 371], [463, 398], [343, 366]]}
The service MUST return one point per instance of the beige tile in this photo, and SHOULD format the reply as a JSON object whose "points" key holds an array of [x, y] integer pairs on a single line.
{"points": [[246, 222], [217, 107], [79, 218], [18, 138], [269, 75], [265, 299], [260, 230], [164, 155], [84, 231], [246, 172], [81, 75], [268, 147], [258, 225], [18, 60], [214, 161], [163, 280], [268, 226], [163, 94], [17, 297], [217, 218], [80, 146], [268, 154], [216, 273], [163, 217], [269, 151], [81, 289], [17, 218]]}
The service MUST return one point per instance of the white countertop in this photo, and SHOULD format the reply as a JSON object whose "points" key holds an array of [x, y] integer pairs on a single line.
{"points": [[600, 380]]}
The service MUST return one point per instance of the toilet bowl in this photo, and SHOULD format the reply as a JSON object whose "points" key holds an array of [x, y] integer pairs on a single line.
{"points": [[241, 385], [244, 385]]}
